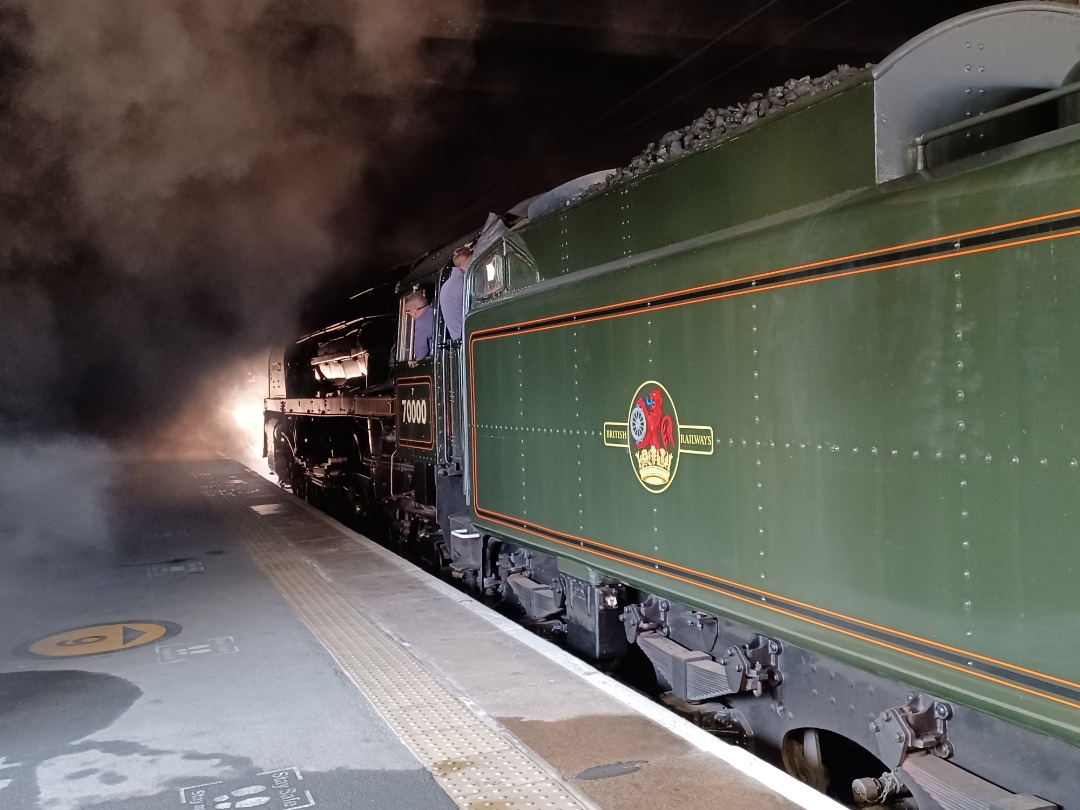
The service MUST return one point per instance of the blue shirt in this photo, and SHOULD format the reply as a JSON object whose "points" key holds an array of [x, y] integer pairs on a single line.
{"points": [[451, 302], [423, 328]]}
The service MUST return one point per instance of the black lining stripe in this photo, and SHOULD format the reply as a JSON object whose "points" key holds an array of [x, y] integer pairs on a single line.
{"points": [[926, 649], [940, 248]]}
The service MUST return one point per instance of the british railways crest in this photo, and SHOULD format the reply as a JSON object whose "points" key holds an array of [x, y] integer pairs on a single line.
{"points": [[654, 438]]}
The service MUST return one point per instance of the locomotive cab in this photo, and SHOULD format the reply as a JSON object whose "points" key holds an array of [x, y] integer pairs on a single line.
{"points": [[413, 346], [426, 386]]}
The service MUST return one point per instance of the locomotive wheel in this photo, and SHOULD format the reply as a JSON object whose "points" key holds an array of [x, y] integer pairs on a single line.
{"points": [[352, 505], [283, 463], [802, 759]]}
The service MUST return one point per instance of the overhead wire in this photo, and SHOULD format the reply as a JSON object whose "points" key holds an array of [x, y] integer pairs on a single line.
{"points": [[652, 83], [683, 63], [603, 116], [737, 65]]}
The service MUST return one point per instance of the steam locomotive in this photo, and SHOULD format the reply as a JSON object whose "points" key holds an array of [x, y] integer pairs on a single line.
{"points": [[804, 438]]}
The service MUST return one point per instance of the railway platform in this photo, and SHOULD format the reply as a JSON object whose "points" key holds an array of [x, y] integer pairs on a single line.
{"points": [[227, 646]]}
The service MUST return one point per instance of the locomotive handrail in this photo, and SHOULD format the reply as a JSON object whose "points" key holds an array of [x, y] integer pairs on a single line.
{"points": [[921, 141]]}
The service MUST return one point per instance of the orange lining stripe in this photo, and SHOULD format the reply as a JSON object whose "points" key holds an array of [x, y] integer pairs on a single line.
{"points": [[810, 265], [656, 560], [824, 625], [478, 336]]}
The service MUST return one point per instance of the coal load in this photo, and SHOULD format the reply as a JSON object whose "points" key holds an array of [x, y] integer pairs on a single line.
{"points": [[717, 122]]}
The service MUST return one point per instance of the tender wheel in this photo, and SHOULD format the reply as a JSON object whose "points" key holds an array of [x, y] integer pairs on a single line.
{"points": [[802, 759]]}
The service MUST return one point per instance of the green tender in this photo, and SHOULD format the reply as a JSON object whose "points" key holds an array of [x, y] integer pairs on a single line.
{"points": [[892, 474]]}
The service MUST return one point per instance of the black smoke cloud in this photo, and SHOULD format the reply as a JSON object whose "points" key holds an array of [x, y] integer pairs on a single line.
{"points": [[176, 175]]}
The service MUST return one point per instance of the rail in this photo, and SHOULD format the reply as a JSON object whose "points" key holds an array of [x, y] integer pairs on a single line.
{"points": [[936, 134]]}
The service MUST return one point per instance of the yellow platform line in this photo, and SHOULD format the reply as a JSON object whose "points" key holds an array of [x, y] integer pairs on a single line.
{"points": [[479, 764]]}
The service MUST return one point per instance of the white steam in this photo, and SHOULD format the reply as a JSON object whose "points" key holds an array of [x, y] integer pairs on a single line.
{"points": [[53, 497]]}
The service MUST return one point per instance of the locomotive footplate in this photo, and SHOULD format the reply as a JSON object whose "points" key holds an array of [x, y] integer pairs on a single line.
{"points": [[333, 406]]}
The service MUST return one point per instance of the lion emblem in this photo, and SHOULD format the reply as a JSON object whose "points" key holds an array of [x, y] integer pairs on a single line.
{"points": [[656, 427]]}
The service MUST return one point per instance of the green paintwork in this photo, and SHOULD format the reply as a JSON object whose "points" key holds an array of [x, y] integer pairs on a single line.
{"points": [[840, 475], [810, 159]]}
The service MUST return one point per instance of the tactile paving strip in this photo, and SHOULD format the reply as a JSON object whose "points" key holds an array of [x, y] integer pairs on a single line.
{"points": [[479, 766]]}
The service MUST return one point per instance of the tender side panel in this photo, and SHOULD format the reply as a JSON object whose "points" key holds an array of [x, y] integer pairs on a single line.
{"points": [[791, 159], [892, 395]]}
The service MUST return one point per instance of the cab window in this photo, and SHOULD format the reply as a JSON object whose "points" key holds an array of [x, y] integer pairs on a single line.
{"points": [[488, 277], [415, 325]]}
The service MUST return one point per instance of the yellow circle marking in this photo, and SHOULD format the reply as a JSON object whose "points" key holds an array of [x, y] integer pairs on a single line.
{"points": [[100, 638]]}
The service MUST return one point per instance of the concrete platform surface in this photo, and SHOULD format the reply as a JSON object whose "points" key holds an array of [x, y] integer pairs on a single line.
{"points": [[230, 647]]}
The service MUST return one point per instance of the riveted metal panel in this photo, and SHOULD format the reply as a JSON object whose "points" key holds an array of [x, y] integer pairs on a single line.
{"points": [[789, 159], [854, 364]]}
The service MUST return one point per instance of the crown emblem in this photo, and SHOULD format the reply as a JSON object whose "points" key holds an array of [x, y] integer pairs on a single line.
{"points": [[654, 466]]}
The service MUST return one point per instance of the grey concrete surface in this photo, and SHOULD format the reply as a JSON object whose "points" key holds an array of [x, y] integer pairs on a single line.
{"points": [[243, 704], [553, 706], [246, 704]]}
